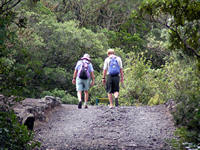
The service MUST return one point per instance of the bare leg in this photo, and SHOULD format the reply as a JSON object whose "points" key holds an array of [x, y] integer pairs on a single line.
{"points": [[110, 99], [116, 94], [79, 93], [86, 96]]}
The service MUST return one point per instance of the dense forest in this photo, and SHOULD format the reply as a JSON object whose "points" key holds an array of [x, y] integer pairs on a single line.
{"points": [[158, 41]]}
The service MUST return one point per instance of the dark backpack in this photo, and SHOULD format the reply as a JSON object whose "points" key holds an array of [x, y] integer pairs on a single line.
{"points": [[113, 68], [84, 70]]}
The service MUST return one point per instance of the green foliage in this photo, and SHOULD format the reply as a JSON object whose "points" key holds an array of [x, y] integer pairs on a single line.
{"points": [[183, 76], [36, 6], [45, 54], [155, 100], [41, 9], [55, 75], [66, 98], [137, 87], [65, 45], [181, 143], [130, 36], [157, 47], [13, 135], [136, 35], [188, 115], [143, 84], [7, 56], [181, 18], [146, 85], [96, 14]]}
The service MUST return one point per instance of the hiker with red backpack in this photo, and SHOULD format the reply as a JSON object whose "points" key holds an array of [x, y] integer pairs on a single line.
{"points": [[83, 74], [112, 75]]}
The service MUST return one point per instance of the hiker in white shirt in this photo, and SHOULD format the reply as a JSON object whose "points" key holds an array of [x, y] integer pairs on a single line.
{"points": [[112, 75]]}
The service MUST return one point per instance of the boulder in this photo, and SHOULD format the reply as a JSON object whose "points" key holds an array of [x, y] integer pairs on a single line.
{"points": [[171, 105], [30, 110]]}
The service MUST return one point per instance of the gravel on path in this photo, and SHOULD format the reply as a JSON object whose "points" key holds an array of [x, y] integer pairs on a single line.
{"points": [[101, 128]]}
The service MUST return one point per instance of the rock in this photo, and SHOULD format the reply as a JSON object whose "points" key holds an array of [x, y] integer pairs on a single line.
{"points": [[30, 110], [171, 105]]}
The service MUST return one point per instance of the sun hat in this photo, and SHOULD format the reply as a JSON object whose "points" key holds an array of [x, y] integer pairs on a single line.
{"points": [[86, 56], [110, 51]]}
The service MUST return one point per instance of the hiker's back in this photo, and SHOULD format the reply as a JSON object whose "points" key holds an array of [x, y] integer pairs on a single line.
{"points": [[84, 70], [113, 66]]}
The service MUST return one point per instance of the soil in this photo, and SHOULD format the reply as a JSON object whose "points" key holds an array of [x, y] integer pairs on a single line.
{"points": [[102, 128]]}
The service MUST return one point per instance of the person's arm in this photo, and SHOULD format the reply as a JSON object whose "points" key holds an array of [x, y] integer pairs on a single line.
{"points": [[105, 68], [75, 72], [74, 76], [122, 75], [91, 70], [93, 78], [104, 77], [121, 71]]}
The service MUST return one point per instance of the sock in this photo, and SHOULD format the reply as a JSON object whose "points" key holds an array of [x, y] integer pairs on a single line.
{"points": [[85, 103]]}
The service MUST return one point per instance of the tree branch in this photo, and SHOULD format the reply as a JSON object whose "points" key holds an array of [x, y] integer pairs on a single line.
{"points": [[8, 8], [188, 47], [5, 4]]}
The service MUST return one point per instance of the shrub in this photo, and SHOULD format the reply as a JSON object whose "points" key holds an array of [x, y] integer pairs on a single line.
{"points": [[177, 80], [65, 98], [140, 80], [187, 115], [13, 135], [185, 86]]}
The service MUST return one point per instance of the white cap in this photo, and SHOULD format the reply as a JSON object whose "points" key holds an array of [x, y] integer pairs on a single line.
{"points": [[86, 56], [110, 51]]}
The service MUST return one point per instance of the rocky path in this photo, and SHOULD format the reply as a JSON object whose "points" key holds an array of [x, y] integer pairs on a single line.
{"points": [[101, 128]]}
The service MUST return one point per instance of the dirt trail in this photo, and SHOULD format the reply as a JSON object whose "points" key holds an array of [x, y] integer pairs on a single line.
{"points": [[101, 128]]}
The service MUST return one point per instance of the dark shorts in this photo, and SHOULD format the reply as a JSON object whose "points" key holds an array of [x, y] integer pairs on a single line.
{"points": [[112, 84]]}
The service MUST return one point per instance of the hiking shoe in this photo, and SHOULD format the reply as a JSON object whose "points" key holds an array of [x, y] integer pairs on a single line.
{"points": [[116, 102], [80, 105], [85, 106], [111, 107]]}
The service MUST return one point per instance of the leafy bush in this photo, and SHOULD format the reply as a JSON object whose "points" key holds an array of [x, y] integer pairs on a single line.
{"points": [[42, 56], [140, 81], [182, 143], [65, 98], [13, 135], [177, 80], [187, 115]]}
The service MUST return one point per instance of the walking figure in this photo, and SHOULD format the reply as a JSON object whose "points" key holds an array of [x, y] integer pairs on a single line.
{"points": [[83, 74], [112, 74]]}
